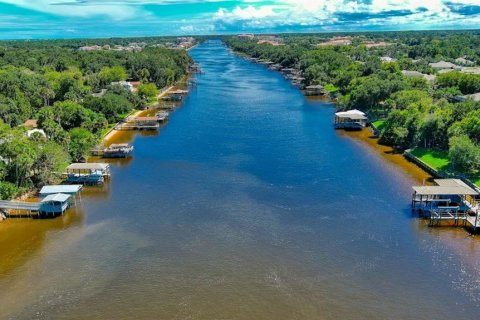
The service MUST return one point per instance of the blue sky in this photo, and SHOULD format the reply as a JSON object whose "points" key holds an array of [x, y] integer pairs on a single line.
{"points": [[30, 19]]}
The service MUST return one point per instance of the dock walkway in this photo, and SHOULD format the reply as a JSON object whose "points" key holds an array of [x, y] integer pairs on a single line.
{"points": [[19, 205]]}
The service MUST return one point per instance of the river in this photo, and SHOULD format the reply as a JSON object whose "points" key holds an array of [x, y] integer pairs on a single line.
{"points": [[247, 205]]}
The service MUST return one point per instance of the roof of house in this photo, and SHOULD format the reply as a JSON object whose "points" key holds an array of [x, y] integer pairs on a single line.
{"points": [[445, 70], [31, 123], [463, 61], [88, 166], [66, 189], [58, 197], [471, 70], [474, 97], [411, 73], [387, 59], [442, 65], [417, 74]]}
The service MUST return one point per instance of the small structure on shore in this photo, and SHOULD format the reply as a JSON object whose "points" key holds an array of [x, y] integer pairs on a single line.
{"points": [[314, 90], [50, 206], [288, 71], [55, 204], [350, 120], [71, 189], [195, 68], [118, 150], [139, 123], [449, 200], [162, 116], [180, 92], [87, 173], [173, 97]]}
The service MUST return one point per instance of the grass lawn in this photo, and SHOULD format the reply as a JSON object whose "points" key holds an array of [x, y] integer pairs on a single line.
{"points": [[435, 159], [379, 124], [476, 180]]}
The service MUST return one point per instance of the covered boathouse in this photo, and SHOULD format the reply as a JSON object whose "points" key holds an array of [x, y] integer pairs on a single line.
{"points": [[449, 200], [350, 120], [71, 189], [87, 173], [55, 204], [51, 206], [139, 123], [118, 150]]}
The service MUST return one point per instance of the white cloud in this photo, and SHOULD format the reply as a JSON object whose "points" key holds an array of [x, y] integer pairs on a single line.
{"points": [[248, 15], [116, 10], [329, 12]]}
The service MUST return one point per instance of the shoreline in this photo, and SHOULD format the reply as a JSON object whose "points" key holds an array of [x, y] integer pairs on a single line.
{"points": [[407, 157], [368, 140], [110, 135]]}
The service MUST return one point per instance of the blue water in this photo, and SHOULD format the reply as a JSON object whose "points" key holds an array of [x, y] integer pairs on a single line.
{"points": [[248, 205]]}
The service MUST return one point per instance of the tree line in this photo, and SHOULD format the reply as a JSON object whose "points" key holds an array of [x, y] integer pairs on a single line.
{"points": [[74, 96], [416, 112]]}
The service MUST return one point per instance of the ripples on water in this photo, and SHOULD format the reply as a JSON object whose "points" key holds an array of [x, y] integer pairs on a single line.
{"points": [[246, 206]]}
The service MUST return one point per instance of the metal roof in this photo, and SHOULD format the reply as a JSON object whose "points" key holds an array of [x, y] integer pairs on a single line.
{"points": [[59, 197], [412, 73], [442, 65], [351, 114], [88, 166], [451, 183], [443, 191], [446, 187], [66, 189]]}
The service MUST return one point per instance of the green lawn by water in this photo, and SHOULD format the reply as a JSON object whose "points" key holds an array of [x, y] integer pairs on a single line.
{"points": [[435, 159], [379, 124], [476, 180], [438, 160]]}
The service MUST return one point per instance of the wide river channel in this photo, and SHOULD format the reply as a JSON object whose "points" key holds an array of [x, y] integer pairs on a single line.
{"points": [[247, 205]]}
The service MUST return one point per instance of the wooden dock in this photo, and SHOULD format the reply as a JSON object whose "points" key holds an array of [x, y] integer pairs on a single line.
{"points": [[139, 123]]}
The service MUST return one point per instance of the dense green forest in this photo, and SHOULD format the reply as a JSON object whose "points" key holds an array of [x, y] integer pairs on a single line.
{"points": [[413, 112], [58, 85]]}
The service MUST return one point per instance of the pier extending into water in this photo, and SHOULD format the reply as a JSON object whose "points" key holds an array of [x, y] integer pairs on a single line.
{"points": [[50, 206], [139, 123], [450, 200]]}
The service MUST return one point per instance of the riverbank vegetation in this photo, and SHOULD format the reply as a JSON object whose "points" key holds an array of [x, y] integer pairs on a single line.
{"points": [[56, 101], [418, 87]]}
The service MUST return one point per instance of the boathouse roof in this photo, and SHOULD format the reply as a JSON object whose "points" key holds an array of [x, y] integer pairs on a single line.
{"points": [[446, 187], [118, 145], [88, 166], [145, 119], [179, 92], [351, 114], [65, 189], [59, 197]]}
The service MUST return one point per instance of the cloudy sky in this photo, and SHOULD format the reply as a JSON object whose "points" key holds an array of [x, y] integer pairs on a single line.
{"points": [[105, 18]]}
